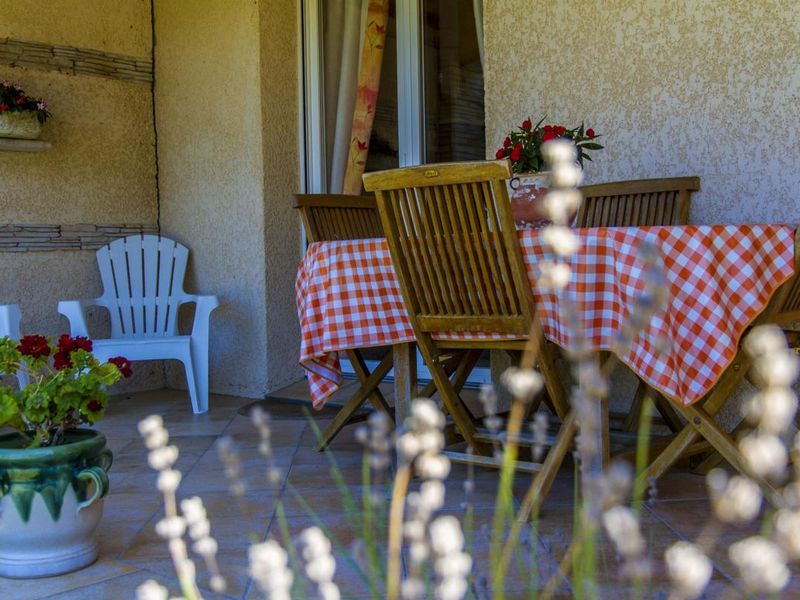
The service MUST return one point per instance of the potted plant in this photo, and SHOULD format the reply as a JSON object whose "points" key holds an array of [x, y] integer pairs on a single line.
{"points": [[21, 116], [523, 147], [52, 474]]}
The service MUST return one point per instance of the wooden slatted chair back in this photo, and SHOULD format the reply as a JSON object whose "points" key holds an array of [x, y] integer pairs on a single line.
{"points": [[638, 203], [454, 246], [142, 279], [330, 217], [789, 311]]}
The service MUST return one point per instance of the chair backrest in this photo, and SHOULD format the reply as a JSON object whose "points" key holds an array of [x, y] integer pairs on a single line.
{"points": [[142, 284], [329, 217], [9, 321], [641, 202], [789, 303], [454, 246]]}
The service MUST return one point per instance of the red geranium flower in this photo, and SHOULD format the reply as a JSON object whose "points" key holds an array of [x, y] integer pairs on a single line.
{"points": [[559, 130], [68, 344], [507, 142], [34, 346], [548, 128], [516, 153], [94, 406], [500, 154], [61, 361], [549, 135], [3, 107], [123, 364], [590, 132], [526, 124]]}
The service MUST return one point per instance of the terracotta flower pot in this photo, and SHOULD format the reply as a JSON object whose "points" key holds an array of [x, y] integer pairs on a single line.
{"points": [[20, 125], [526, 192], [51, 500]]}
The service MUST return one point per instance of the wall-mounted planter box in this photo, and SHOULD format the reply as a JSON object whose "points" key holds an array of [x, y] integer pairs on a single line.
{"points": [[14, 145]]}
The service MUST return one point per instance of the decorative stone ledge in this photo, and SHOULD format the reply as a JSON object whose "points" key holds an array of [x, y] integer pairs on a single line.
{"points": [[12, 145], [43, 237], [75, 61]]}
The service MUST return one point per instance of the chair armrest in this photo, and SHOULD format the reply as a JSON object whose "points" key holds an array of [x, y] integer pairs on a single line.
{"points": [[74, 311], [202, 312]]}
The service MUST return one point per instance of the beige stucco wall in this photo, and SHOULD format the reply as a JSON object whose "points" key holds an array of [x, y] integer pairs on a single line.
{"points": [[690, 87], [101, 168], [227, 129], [280, 103], [121, 26]]}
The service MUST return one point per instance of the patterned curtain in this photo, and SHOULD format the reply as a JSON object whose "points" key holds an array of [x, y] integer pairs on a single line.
{"points": [[369, 79]]}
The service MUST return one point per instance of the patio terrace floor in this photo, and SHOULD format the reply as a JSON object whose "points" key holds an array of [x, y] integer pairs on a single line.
{"points": [[131, 552]]}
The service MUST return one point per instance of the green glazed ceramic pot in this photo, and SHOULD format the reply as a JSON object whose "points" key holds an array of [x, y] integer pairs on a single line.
{"points": [[51, 503]]}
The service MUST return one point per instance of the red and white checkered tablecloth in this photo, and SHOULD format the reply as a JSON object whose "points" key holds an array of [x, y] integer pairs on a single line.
{"points": [[720, 278]]}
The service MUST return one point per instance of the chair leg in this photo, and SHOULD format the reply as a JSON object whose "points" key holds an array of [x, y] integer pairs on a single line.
{"points": [[536, 494], [199, 401], [711, 406], [450, 398], [354, 403], [376, 398], [704, 424]]}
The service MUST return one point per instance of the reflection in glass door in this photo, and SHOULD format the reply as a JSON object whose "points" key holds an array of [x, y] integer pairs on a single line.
{"points": [[429, 106]]}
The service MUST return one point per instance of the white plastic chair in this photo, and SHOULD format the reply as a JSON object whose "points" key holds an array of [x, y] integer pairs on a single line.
{"points": [[10, 316], [142, 289]]}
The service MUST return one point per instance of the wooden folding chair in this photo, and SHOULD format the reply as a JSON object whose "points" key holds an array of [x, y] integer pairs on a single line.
{"points": [[459, 263], [331, 217], [783, 309], [639, 203]]}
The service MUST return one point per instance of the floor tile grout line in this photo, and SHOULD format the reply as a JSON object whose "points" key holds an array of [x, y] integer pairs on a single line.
{"points": [[685, 538], [279, 497]]}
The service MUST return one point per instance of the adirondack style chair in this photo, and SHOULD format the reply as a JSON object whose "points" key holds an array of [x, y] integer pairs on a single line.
{"points": [[142, 279], [458, 260], [10, 316]]}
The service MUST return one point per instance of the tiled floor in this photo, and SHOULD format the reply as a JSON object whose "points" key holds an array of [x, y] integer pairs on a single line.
{"points": [[130, 551]]}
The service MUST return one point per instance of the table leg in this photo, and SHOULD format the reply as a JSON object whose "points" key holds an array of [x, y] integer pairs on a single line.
{"points": [[405, 380]]}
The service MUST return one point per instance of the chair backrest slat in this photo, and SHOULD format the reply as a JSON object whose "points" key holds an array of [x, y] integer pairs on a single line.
{"points": [[143, 284], [641, 202], [454, 246], [330, 217], [789, 310]]}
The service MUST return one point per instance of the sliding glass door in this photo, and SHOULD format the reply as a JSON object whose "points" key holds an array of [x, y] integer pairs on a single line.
{"points": [[429, 102]]}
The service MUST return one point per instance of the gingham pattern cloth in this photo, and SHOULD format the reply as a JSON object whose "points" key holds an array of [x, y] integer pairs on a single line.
{"points": [[720, 278]]}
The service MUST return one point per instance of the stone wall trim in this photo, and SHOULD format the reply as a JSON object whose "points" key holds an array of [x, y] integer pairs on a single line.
{"points": [[76, 61], [33, 237]]}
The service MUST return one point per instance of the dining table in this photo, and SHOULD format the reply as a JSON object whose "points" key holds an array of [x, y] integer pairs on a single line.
{"points": [[718, 277]]}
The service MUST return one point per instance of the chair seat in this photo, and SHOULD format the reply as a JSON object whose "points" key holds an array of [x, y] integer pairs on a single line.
{"points": [[144, 348]]}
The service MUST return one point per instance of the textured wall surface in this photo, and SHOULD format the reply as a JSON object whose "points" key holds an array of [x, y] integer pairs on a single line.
{"points": [[101, 168], [121, 26], [690, 87], [211, 172], [279, 109]]}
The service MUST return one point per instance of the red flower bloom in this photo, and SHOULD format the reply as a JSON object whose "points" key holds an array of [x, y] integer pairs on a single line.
{"points": [[506, 142], [559, 130], [548, 128], [526, 124], [590, 133], [34, 346], [500, 154], [21, 100], [61, 361], [516, 153], [94, 406], [123, 364], [548, 135], [68, 344], [3, 107]]}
